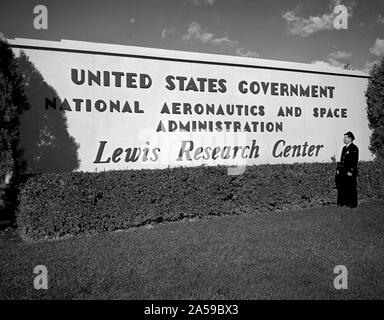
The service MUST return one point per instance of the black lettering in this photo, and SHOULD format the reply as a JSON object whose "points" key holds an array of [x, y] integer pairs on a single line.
{"points": [[100, 153]]}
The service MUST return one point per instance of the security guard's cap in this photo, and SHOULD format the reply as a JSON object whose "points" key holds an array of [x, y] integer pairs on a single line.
{"points": [[350, 134]]}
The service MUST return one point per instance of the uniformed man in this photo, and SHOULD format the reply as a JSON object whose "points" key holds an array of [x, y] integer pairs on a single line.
{"points": [[346, 173]]}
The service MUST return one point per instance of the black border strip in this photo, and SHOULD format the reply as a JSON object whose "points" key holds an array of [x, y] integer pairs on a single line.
{"points": [[184, 60]]}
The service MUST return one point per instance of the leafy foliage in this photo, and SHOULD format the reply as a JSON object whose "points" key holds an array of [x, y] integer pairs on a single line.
{"points": [[12, 103], [375, 108], [55, 205]]}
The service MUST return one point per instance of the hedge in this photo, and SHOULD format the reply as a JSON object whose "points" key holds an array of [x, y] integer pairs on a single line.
{"points": [[57, 205]]}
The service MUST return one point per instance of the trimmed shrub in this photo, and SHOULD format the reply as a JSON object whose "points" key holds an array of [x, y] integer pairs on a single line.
{"points": [[56, 205]]}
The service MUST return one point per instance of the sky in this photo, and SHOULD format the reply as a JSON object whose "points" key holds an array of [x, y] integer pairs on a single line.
{"points": [[287, 30]]}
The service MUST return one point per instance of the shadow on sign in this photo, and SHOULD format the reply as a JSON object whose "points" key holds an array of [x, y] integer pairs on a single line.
{"points": [[47, 145]]}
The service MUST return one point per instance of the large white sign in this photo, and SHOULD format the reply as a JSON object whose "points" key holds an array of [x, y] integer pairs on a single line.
{"points": [[132, 108]]}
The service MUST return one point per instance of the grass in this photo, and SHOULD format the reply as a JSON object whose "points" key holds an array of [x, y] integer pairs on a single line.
{"points": [[285, 255]]}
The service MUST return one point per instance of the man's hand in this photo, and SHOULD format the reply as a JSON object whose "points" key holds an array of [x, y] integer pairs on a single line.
{"points": [[349, 174]]}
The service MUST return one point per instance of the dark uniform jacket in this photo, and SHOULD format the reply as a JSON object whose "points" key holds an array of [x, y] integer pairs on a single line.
{"points": [[348, 162]]}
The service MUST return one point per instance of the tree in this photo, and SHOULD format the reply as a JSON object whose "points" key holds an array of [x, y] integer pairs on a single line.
{"points": [[12, 103], [375, 109]]}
